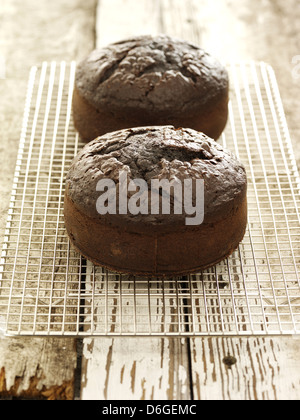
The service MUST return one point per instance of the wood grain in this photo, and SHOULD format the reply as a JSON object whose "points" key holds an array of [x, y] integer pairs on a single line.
{"points": [[135, 368], [145, 368], [221, 368], [245, 369], [31, 33], [265, 368], [37, 368], [126, 18]]}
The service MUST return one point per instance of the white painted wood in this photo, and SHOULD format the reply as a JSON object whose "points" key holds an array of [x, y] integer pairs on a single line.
{"points": [[135, 368], [121, 19], [131, 368], [265, 369]]}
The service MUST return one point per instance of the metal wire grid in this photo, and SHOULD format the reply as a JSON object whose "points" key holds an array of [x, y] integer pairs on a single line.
{"points": [[46, 288]]}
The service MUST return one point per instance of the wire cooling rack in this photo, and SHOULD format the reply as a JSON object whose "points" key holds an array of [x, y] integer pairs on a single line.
{"points": [[47, 288]]}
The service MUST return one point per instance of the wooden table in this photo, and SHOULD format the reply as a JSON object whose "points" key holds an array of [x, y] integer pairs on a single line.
{"points": [[144, 368]]}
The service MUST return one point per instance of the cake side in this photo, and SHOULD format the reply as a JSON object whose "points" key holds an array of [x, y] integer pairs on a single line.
{"points": [[184, 195], [91, 122], [149, 253]]}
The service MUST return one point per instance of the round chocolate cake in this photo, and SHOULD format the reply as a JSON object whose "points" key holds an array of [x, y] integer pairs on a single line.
{"points": [[118, 213], [150, 81]]}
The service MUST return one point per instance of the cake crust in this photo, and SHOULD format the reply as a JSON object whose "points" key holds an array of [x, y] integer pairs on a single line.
{"points": [[150, 81], [156, 244]]}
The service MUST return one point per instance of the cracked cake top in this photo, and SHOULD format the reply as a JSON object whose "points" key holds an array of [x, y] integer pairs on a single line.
{"points": [[149, 153], [150, 72]]}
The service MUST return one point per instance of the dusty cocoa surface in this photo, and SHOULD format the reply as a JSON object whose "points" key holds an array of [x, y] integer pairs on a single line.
{"points": [[158, 73], [161, 153]]}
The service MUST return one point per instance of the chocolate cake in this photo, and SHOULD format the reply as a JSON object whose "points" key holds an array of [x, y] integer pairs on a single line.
{"points": [[150, 81], [155, 243]]}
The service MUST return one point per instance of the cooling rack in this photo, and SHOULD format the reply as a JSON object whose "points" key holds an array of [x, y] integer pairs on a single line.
{"points": [[47, 288]]}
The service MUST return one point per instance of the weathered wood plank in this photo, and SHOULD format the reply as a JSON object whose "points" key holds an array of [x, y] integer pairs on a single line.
{"points": [[128, 368], [117, 20], [263, 368], [262, 31], [266, 368], [179, 20], [30, 34], [246, 369], [37, 368], [135, 368]]}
